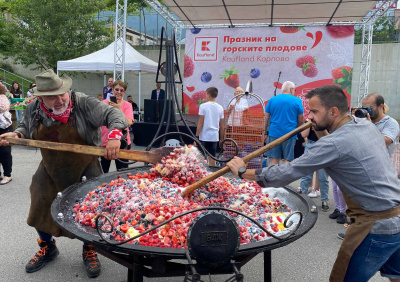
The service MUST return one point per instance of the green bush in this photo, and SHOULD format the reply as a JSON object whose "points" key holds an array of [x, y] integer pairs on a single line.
{"points": [[6, 66]]}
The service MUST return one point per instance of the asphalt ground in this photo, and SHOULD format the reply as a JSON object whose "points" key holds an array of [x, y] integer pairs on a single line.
{"points": [[308, 259]]}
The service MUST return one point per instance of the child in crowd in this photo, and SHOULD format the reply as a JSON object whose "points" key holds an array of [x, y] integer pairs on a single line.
{"points": [[340, 205], [210, 128]]}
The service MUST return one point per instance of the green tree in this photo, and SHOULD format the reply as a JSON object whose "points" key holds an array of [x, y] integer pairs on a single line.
{"points": [[46, 31], [4, 41], [134, 6], [384, 32]]}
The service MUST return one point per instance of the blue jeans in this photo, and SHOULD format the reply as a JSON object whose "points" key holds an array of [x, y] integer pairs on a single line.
{"points": [[376, 253], [283, 151], [18, 114], [322, 177]]}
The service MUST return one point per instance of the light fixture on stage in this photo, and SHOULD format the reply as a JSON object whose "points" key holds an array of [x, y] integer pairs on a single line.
{"points": [[163, 69]]}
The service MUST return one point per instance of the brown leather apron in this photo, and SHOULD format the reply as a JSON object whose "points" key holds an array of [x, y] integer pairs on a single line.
{"points": [[57, 171], [362, 223]]}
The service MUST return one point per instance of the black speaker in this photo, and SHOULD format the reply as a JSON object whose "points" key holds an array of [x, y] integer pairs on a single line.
{"points": [[150, 110], [169, 111]]}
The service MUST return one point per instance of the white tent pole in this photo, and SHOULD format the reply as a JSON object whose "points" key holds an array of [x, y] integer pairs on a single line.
{"points": [[140, 91]]}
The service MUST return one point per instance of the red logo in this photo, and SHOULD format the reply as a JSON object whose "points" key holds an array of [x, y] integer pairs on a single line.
{"points": [[205, 48], [204, 45]]}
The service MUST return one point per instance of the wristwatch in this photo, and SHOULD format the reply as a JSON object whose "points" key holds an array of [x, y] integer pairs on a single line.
{"points": [[241, 170]]}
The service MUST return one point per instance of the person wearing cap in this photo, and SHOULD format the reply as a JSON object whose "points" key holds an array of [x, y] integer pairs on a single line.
{"points": [[387, 125], [59, 115]]}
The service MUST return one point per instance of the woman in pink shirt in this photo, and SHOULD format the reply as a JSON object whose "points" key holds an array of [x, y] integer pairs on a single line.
{"points": [[119, 89]]}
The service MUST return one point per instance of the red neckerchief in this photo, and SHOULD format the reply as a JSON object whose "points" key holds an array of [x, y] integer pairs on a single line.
{"points": [[60, 117]]}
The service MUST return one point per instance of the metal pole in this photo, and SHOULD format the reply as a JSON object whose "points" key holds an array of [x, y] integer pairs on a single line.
{"points": [[140, 91], [267, 266], [115, 38], [124, 41]]}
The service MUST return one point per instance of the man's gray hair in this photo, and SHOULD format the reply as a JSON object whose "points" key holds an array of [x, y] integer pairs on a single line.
{"points": [[287, 85]]}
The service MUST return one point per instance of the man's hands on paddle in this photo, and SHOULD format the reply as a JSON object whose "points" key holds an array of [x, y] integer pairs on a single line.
{"points": [[112, 149], [235, 164], [3, 141]]}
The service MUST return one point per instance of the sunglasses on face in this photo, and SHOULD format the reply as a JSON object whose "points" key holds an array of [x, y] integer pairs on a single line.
{"points": [[119, 90]]}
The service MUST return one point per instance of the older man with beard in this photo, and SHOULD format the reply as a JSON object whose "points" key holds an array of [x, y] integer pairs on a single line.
{"points": [[352, 155], [58, 115]]}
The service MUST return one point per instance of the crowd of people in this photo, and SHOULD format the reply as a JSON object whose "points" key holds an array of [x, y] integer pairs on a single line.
{"points": [[365, 183]]}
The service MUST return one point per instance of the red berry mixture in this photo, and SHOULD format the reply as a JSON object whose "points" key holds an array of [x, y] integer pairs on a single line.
{"points": [[138, 202]]}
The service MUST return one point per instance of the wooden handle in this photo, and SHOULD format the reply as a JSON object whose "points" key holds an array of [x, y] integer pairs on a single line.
{"points": [[141, 156], [246, 159]]}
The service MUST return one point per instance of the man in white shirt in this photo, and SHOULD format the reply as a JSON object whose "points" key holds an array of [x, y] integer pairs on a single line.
{"points": [[210, 129]]}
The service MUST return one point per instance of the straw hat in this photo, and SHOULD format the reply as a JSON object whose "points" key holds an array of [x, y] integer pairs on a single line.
{"points": [[48, 83]]}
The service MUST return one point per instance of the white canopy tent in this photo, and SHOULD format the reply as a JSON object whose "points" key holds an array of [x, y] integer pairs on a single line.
{"points": [[102, 61]]}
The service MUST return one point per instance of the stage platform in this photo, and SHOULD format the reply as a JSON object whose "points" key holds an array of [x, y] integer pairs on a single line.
{"points": [[144, 132]]}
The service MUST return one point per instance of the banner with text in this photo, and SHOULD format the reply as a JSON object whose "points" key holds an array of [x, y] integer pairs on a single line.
{"points": [[227, 58]]}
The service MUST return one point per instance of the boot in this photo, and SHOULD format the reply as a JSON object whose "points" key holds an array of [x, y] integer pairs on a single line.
{"points": [[92, 263], [46, 253]]}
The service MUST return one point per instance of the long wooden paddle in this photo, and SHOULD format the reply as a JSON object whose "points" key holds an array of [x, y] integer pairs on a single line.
{"points": [[152, 157], [246, 159]]}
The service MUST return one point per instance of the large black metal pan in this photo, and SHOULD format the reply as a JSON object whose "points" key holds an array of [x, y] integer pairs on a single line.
{"points": [[70, 195]]}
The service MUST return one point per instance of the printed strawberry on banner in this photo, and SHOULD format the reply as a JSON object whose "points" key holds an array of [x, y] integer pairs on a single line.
{"points": [[343, 77], [231, 77], [291, 29]]}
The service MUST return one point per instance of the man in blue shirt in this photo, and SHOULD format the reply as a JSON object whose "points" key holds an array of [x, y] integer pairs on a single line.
{"points": [[107, 90], [285, 112]]}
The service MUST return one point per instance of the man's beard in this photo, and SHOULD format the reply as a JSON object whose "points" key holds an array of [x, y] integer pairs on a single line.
{"points": [[375, 114], [322, 125], [59, 112]]}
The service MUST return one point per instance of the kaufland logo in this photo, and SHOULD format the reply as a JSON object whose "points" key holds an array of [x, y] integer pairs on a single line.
{"points": [[205, 48]]}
